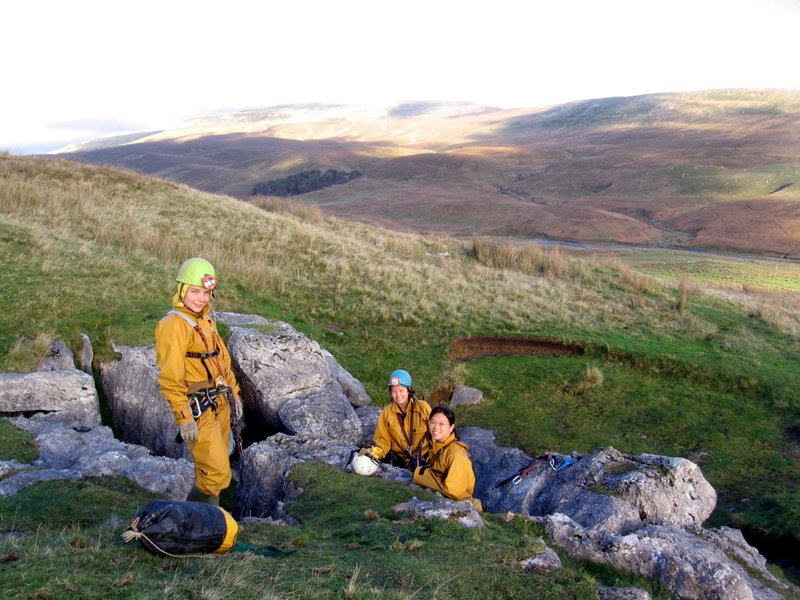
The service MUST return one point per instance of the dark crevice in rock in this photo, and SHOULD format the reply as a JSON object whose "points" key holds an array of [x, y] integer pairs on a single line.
{"points": [[778, 549]]}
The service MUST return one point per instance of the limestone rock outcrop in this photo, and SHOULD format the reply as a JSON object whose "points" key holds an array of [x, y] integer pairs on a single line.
{"points": [[137, 408], [263, 468], [284, 367], [71, 453], [641, 514], [65, 396]]}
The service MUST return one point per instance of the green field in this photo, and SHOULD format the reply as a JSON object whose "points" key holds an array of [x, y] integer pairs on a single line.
{"points": [[753, 273]]}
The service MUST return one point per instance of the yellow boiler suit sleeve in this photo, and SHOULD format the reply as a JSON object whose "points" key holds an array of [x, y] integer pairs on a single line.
{"points": [[172, 341]]}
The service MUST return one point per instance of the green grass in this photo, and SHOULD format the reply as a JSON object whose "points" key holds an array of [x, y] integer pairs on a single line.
{"points": [[16, 444], [716, 270], [94, 250], [360, 548]]}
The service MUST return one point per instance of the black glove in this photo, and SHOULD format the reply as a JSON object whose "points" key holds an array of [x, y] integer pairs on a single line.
{"points": [[419, 462]]}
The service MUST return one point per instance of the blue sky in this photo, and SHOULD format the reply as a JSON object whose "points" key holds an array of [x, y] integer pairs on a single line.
{"points": [[83, 69]]}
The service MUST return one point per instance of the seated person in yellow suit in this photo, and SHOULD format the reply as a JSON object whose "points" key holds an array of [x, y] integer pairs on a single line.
{"points": [[401, 433], [448, 468], [196, 379]]}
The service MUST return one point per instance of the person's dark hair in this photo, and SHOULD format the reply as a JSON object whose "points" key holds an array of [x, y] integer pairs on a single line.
{"points": [[449, 415]]}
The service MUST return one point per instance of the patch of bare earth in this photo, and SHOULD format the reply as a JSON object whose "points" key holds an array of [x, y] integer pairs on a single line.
{"points": [[468, 348]]}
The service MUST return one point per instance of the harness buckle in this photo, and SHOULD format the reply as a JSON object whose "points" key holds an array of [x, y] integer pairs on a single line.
{"points": [[202, 400]]}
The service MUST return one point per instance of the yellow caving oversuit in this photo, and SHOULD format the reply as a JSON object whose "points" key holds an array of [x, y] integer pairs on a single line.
{"points": [[180, 375], [404, 434], [450, 471]]}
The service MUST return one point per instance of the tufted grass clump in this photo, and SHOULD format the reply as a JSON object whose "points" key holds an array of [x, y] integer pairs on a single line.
{"points": [[591, 377]]}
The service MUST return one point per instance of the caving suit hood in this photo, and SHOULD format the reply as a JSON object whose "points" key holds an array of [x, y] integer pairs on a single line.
{"points": [[177, 301]]}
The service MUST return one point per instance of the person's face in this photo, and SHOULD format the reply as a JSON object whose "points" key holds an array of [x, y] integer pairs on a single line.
{"points": [[196, 298], [399, 395], [440, 428]]}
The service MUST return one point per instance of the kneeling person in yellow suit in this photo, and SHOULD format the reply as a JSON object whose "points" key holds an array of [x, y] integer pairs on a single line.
{"points": [[401, 433], [196, 379], [449, 470]]}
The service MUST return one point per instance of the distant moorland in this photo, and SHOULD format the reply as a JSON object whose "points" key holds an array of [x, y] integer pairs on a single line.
{"points": [[716, 169]]}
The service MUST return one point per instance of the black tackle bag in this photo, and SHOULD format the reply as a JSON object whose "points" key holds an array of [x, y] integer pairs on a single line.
{"points": [[166, 527]]}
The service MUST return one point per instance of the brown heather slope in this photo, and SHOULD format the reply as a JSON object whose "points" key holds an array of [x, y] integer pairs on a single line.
{"points": [[716, 169]]}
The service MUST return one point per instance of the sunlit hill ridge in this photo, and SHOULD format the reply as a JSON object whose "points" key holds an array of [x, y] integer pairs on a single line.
{"points": [[715, 169]]}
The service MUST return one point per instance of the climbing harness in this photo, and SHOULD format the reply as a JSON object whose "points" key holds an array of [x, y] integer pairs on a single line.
{"points": [[429, 462], [201, 400], [412, 458], [208, 354]]}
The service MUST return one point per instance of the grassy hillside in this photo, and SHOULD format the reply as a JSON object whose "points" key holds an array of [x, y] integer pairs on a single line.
{"points": [[715, 169], [683, 372]]}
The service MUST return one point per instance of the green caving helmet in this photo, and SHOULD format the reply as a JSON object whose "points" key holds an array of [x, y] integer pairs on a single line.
{"points": [[198, 271]]}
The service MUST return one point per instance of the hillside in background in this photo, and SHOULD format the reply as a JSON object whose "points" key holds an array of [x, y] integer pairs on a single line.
{"points": [[716, 169]]}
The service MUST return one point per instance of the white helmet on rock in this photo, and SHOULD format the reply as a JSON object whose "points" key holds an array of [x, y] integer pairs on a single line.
{"points": [[364, 465]]}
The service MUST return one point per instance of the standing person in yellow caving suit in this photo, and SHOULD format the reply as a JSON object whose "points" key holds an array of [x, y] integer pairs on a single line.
{"points": [[447, 468], [196, 379], [401, 432]]}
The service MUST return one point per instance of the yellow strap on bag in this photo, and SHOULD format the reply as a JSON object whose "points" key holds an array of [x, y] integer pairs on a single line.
{"points": [[230, 534]]}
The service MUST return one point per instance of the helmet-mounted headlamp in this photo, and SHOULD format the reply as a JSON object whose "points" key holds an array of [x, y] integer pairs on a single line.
{"points": [[209, 282], [394, 381]]}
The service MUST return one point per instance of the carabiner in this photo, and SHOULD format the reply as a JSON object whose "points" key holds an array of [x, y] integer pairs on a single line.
{"points": [[196, 414]]}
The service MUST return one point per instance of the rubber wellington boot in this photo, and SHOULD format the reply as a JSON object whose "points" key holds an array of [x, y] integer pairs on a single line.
{"points": [[197, 496]]}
